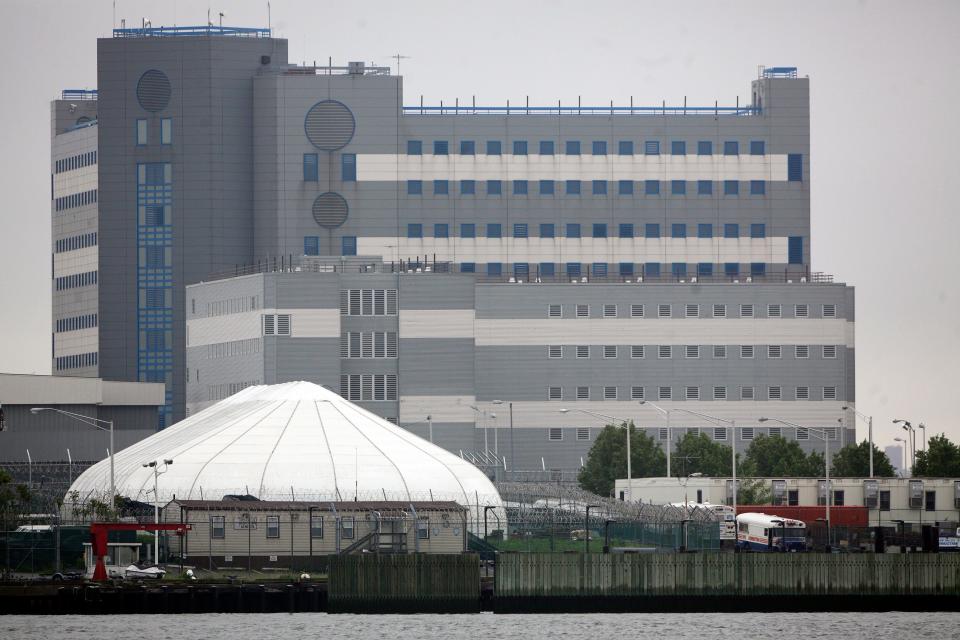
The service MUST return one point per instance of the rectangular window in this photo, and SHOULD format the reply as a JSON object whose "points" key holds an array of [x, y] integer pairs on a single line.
{"points": [[599, 147], [757, 148], [609, 393], [758, 230], [519, 187], [423, 529], [930, 501], [166, 131], [758, 187], [652, 187], [625, 187], [441, 230], [731, 187], [547, 269], [664, 351], [802, 351], [704, 148], [555, 434], [636, 393], [652, 269], [573, 230], [746, 393], [794, 167], [468, 148], [704, 187], [678, 269], [664, 393], [573, 269], [520, 230], [572, 147], [774, 393], [746, 351], [468, 267], [546, 230], [774, 351], [316, 527], [610, 351], [441, 148], [731, 148], [573, 187], [273, 526], [625, 148], [311, 246], [494, 269], [692, 351], [493, 147], [346, 528], [310, 167], [441, 187], [636, 351], [884, 501], [678, 230], [546, 148], [468, 187], [583, 393], [414, 230], [546, 187], [719, 393], [625, 230], [678, 148], [494, 230], [348, 167], [599, 230], [414, 148], [829, 351], [414, 187], [599, 187], [678, 187], [652, 230], [141, 132], [494, 188], [774, 311], [218, 527], [519, 147], [719, 351], [704, 230], [651, 147], [555, 351]]}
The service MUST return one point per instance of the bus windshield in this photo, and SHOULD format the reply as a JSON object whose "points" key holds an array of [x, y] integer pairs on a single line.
{"points": [[789, 532]]}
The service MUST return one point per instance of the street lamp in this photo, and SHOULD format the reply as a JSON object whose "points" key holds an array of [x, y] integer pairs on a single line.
{"points": [[923, 428], [869, 421], [155, 465], [626, 425], [823, 435], [665, 412], [512, 459], [95, 423], [908, 427], [733, 450], [490, 416]]}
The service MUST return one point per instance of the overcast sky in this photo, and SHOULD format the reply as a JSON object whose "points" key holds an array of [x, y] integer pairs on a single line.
{"points": [[885, 97]]}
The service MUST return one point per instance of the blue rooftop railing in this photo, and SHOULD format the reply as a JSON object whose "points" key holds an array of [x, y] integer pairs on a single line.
{"points": [[78, 94], [780, 72], [520, 110], [200, 30]]}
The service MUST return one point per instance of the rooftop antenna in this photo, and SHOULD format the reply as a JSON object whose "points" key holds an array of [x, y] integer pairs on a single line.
{"points": [[398, 58], [269, 23], [221, 20]]}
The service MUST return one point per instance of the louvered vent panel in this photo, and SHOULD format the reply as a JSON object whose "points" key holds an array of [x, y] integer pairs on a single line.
{"points": [[329, 125], [153, 90], [330, 210]]}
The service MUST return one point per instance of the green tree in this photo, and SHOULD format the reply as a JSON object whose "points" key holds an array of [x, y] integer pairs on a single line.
{"points": [[940, 460], [607, 459], [14, 498], [754, 491], [853, 461], [770, 456], [698, 453]]}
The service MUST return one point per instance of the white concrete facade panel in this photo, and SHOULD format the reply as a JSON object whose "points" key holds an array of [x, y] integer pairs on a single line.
{"points": [[304, 323]]}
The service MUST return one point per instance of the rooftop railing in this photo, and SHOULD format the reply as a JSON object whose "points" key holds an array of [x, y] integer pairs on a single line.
{"points": [[578, 110], [200, 30], [780, 72], [78, 94]]}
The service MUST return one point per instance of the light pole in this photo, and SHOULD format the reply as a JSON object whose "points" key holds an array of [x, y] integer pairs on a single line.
{"points": [[95, 423], [923, 428], [626, 424], [911, 440], [823, 435], [512, 459], [665, 412], [488, 416], [733, 451], [869, 421], [903, 454], [155, 465]]}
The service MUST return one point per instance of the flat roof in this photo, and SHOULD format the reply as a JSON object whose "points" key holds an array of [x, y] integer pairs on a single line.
{"points": [[343, 505], [38, 390]]}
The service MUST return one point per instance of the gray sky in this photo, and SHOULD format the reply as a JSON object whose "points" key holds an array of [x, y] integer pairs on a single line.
{"points": [[885, 88]]}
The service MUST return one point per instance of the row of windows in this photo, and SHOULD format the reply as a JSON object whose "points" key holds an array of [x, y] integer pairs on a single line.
{"points": [[602, 270], [597, 187], [556, 434], [75, 162], [77, 361], [76, 242], [86, 321], [597, 147], [368, 344], [276, 324], [76, 280], [688, 393], [347, 526], [688, 311], [220, 391], [719, 351], [75, 200], [368, 302], [233, 348], [166, 131], [575, 230], [239, 304], [369, 387]]}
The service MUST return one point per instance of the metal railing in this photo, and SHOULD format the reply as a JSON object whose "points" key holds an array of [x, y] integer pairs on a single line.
{"points": [[78, 94], [578, 110], [198, 30]]}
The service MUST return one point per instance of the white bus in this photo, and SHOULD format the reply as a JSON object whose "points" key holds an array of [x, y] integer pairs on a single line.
{"points": [[724, 515], [762, 532]]}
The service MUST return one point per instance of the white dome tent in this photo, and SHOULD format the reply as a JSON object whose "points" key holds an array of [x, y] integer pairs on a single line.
{"points": [[296, 441]]}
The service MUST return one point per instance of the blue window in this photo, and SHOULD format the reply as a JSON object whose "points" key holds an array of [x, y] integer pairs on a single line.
{"points": [[731, 148], [625, 147], [599, 187], [468, 267], [795, 250], [494, 230], [520, 230], [156, 340], [310, 171], [625, 187], [652, 187], [441, 187], [758, 268], [414, 187], [678, 269], [468, 148], [626, 230], [494, 187], [573, 147], [678, 148], [311, 245], [626, 268], [493, 147], [599, 269], [573, 230], [573, 187], [547, 230], [652, 269], [468, 230], [704, 148], [651, 147], [414, 230], [573, 269], [731, 187], [599, 147], [441, 230], [678, 230], [155, 257], [795, 167], [468, 187], [704, 187], [546, 187], [704, 230], [758, 187], [599, 230], [652, 230], [757, 148], [414, 148], [678, 187], [731, 268], [521, 269], [731, 230], [519, 147], [758, 230], [494, 269], [348, 246], [705, 269], [546, 148], [441, 147], [348, 167], [519, 187], [547, 269]]}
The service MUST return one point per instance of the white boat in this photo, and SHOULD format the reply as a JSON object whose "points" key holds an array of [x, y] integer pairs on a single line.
{"points": [[150, 573]]}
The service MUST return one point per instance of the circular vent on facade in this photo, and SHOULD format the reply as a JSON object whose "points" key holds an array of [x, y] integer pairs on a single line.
{"points": [[329, 125], [153, 90], [330, 210]]}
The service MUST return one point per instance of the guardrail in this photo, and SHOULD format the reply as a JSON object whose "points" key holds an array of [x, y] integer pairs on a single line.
{"points": [[560, 110]]}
